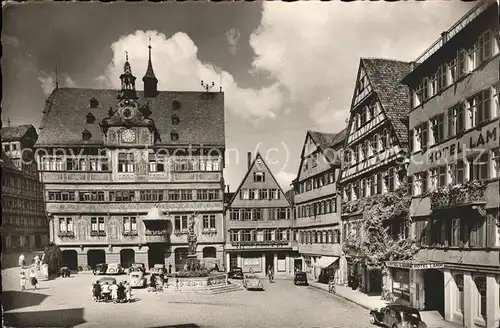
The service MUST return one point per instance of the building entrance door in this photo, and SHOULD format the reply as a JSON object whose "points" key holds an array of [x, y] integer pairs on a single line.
{"points": [[233, 261], [434, 290], [297, 264], [270, 261], [156, 254]]}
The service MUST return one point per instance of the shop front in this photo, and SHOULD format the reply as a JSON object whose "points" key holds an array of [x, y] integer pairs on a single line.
{"points": [[326, 268]]}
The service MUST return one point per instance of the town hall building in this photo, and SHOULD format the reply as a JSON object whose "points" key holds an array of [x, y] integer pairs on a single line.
{"points": [[124, 170]]}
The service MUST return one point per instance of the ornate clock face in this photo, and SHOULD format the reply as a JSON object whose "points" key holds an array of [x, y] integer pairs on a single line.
{"points": [[127, 113], [128, 135]]}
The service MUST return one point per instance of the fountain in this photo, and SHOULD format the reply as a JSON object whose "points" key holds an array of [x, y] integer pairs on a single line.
{"points": [[194, 276]]}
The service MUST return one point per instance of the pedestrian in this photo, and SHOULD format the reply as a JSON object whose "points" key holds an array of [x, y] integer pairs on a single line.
{"points": [[114, 292], [152, 282], [33, 279], [37, 262], [22, 261], [23, 281], [96, 291], [105, 291], [170, 268], [128, 292], [121, 292]]}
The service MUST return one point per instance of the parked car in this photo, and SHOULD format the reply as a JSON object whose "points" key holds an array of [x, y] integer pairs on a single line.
{"points": [[235, 273], [100, 269], [109, 280], [397, 316], [251, 281], [300, 278], [137, 279], [115, 268], [158, 269], [137, 267]]}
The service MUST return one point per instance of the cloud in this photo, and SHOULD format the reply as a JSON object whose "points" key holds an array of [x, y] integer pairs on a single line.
{"points": [[313, 48], [177, 67], [68, 82], [233, 37], [285, 179], [47, 83]]}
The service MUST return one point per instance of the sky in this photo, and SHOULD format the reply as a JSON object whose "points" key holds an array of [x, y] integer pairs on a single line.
{"points": [[285, 67]]}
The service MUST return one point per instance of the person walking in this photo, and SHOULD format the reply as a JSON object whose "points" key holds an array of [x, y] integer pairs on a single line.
{"points": [[105, 291], [22, 260], [170, 268], [96, 291], [128, 292], [114, 292], [270, 273], [23, 281], [33, 279]]}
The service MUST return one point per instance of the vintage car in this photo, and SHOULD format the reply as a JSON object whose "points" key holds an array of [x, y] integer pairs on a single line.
{"points": [[115, 268], [137, 267], [158, 269], [137, 279], [100, 269], [235, 273], [300, 278], [109, 280], [251, 281], [397, 316]]}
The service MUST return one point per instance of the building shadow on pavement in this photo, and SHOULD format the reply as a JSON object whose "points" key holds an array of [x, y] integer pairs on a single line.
{"points": [[51, 318], [12, 299], [186, 325]]}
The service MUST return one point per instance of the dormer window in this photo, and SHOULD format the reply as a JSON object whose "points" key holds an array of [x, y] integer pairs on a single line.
{"points": [[176, 104], [93, 103], [174, 136], [259, 176], [175, 120], [86, 135], [90, 118]]}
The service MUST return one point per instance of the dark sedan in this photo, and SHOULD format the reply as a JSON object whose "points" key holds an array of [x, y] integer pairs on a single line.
{"points": [[397, 316], [100, 269], [235, 273], [300, 278]]}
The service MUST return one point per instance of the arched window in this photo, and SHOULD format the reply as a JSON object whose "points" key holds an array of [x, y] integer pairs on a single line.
{"points": [[175, 120]]}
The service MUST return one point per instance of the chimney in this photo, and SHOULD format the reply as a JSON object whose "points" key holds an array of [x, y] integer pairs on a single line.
{"points": [[249, 160], [227, 189]]}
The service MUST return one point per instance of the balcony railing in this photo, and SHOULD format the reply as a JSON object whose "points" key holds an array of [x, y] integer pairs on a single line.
{"points": [[470, 193], [156, 236], [260, 243], [66, 234]]}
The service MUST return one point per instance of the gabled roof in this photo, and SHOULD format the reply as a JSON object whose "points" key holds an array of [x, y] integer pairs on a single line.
{"points": [[385, 77], [258, 156], [7, 164], [339, 138], [201, 116], [324, 142], [228, 196], [322, 139], [290, 196], [15, 133]]}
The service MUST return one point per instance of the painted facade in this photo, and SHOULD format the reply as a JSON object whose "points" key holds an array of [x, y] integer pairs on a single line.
{"points": [[124, 170], [455, 168]]}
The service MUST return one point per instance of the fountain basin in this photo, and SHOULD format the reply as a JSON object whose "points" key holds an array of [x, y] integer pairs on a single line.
{"points": [[212, 284]]}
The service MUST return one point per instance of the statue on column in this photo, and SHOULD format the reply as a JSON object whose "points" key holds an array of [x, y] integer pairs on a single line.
{"points": [[192, 238]]}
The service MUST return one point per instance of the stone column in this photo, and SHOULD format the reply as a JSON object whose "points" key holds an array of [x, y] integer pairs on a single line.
{"points": [[492, 301], [275, 263], [141, 256], [418, 294], [470, 301], [449, 295], [228, 262], [238, 260], [263, 263], [82, 258]]}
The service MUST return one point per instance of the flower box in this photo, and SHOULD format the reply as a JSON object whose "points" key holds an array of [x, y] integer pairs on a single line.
{"points": [[66, 234], [458, 195], [98, 233], [130, 233]]}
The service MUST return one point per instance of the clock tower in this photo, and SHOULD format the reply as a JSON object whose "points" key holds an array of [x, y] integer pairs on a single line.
{"points": [[129, 123]]}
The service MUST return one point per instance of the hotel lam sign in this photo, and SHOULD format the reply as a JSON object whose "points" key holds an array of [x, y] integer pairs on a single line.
{"points": [[485, 138]]}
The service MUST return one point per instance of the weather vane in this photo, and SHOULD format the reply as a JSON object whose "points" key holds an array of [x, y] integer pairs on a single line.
{"points": [[126, 55], [207, 86]]}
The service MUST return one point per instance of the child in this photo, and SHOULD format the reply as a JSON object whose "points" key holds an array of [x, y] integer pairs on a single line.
{"points": [[33, 279], [23, 281]]}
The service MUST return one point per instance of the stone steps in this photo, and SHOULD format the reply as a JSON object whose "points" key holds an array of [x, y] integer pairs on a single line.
{"points": [[206, 290]]}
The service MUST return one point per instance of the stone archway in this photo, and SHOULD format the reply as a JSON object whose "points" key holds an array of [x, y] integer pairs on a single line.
{"points": [[70, 259], [95, 257], [127, 257], [209, 252]]}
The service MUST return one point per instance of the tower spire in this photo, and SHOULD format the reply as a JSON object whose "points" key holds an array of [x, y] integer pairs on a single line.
{"points": [[149, 79], [57, 78], [128, 81]]}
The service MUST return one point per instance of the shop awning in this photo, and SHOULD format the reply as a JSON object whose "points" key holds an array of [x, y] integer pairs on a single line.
{"points": [[325, 261], [416, 265]]}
